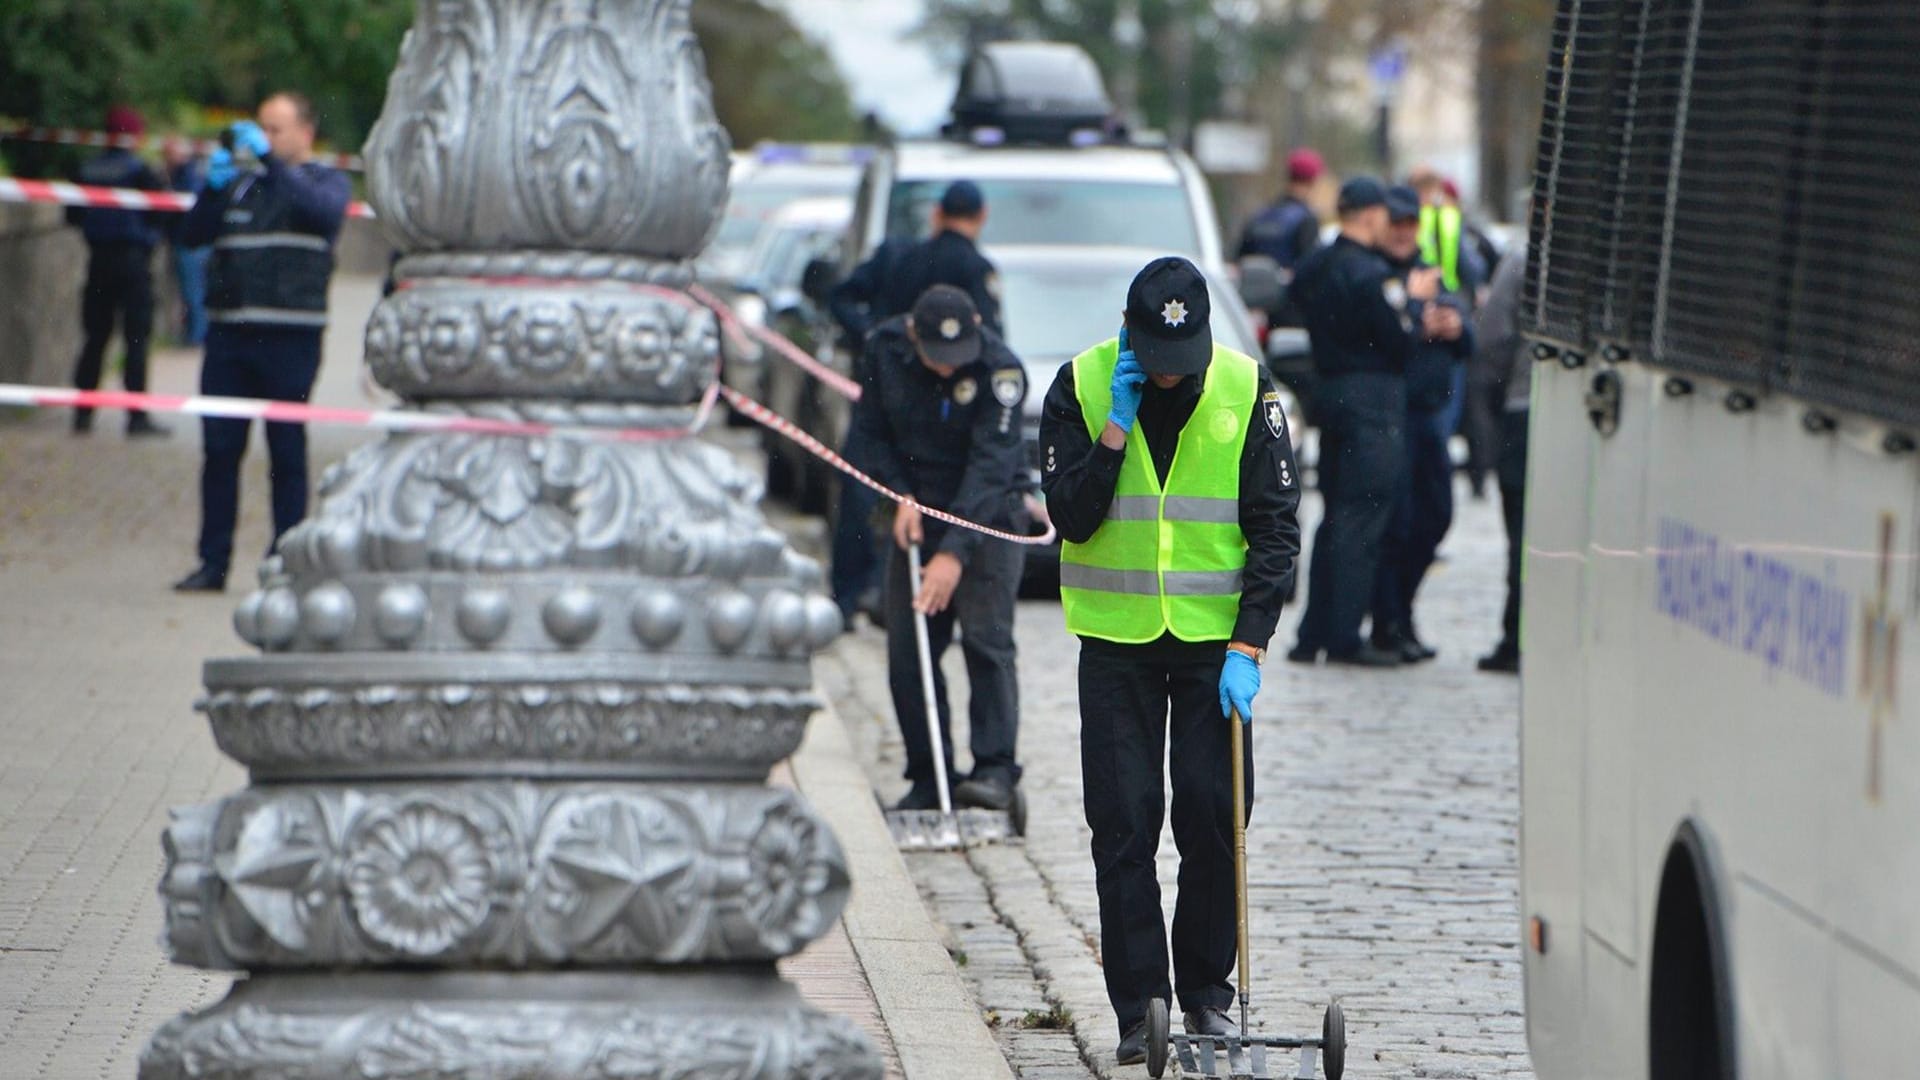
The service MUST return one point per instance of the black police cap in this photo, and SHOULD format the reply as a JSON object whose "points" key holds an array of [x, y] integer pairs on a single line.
{"points": [[1403, 203], [946, 326], [1360, 193], [1169, 318], [962, 199]]}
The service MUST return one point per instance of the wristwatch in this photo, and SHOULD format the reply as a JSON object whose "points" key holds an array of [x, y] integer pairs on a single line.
{"points": [[1259, 655]]}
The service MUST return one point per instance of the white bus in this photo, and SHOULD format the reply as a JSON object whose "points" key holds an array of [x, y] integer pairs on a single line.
{"points": [[1720, 754]]}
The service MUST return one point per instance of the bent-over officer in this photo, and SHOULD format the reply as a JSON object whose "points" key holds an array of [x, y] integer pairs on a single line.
{"points": [[1170, 477], [1358, 320], [939, 420]]}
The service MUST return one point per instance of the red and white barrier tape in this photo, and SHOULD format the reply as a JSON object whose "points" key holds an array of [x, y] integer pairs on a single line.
{"points": [[83, 137], [64, 194], [295, 412], [397, 420], [842, 385], [771, 420]]}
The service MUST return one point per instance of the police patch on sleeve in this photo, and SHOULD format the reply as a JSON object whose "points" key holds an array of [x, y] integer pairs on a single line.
{"points": [[1275, 413], [992, 282], [964, 391], [1395, 291], [1009, 384]]}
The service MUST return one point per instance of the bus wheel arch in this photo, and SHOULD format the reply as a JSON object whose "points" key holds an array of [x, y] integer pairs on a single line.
{"points": [[1690, 1021]]}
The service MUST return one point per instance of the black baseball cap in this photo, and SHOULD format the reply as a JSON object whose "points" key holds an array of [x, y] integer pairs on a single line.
{"points": [[962, 199], [1403, 203], [1169, 318], [1360, 193], [946, 326]]}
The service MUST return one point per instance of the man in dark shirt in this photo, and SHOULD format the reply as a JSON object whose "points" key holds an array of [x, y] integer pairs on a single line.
{"points": [[272, 232], [119, 285], [887, 284], [1288, 231], [939, 420], [1357, 318], [1168, 665], [1424, 509]]}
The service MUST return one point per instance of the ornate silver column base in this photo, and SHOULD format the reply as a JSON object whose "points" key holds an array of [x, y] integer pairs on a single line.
{"points": [[516, 698], [395, 1026]]}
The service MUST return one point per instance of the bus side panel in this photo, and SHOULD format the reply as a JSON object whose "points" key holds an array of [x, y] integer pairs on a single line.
{"points": [[1616, 615], [1553, 717], [1743, 716]]}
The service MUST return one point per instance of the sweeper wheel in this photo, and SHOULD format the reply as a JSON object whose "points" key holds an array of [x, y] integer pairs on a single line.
{"points": [[1333, 1041]]}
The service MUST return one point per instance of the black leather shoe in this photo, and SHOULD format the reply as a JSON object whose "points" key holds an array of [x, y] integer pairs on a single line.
{"points": [[1501, 661], [1133, 1046], [141, 426], [204, 579], [919, 797], [1301, 654], [990, 792], [1366, 656], [83, 421], [1210, 1021]]}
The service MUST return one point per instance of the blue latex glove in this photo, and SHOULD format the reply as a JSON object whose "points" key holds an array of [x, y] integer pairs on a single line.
{"points": [[1239, 683], [220, 169], [1129, 378], [248, 136]]}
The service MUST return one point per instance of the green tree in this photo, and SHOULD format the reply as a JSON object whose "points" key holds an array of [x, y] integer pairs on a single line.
{"points": [[770, 81], [63, 62]]}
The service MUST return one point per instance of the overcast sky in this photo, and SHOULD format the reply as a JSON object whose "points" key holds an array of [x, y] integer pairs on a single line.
{"points": [[888, 73]]}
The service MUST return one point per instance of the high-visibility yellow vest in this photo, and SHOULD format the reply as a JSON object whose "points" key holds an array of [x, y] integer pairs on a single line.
{"points": [[1440, 242], [1165, 559]]}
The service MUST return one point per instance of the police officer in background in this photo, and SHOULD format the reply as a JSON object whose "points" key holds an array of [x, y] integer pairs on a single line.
{"points": [[1288, 231], [887, 284], [1362, 331], [1163, 434], [939, 420], [1424, 510], [119, 285], [272, 231]]}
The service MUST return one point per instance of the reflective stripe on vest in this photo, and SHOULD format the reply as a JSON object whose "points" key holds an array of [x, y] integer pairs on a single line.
{"points": [[1440, 242], [1165, 560]]}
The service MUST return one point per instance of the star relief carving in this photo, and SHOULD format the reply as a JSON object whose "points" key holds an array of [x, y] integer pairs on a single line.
{"points": [[1175, 313], [608, 865]]}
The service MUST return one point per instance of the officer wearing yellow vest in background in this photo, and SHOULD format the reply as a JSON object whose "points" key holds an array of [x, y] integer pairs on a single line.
{"points": [[1169, 474]]}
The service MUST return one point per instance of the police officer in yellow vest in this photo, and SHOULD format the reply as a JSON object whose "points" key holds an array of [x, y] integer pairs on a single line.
{"points": [[1169, 474]]}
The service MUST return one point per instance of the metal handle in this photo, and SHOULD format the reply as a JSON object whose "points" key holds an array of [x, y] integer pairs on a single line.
{"points": [[926, 687], [1240, 859]]}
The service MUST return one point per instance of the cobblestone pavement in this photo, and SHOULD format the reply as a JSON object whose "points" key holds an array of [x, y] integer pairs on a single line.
{"points": [[1382, 852]]}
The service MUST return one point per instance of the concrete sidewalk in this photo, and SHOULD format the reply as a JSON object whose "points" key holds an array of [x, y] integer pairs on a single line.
{"points": [[99, 669]]}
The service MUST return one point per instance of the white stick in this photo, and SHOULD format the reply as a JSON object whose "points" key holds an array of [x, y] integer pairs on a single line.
{"points": [[926, 685]]}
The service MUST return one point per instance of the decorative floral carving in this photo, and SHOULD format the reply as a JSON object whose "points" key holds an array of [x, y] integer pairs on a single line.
{"points": [[706, 1033], [787, 877], [500, 874], [458, 340], [606, 725], [419, 877], [521, 124]]}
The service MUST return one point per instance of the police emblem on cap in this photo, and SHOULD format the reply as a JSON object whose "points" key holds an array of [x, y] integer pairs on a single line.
{"points": [[1175, 313], [1008, 385], [964, 391], [1395, 291], [949, 329]]}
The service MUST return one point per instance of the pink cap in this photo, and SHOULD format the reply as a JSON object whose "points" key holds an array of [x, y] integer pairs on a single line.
{"points": [[1304, 165]]}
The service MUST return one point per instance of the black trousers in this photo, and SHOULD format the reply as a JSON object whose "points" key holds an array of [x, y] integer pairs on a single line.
{"points": [[1140, 705], [982, 607], [1513, 506], [119, 290], [1481, 423], [1363, 463], [253, 361], [1421, 519]]}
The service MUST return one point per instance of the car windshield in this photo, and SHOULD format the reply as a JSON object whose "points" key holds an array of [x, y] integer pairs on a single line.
{"points": [[785, 255], [751, 205], [1062, 211], [1053, 313]]}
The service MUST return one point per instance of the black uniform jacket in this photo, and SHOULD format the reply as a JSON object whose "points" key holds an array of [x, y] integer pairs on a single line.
{"points": [[1355, 309], [1079, 474], [954, 444]]}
